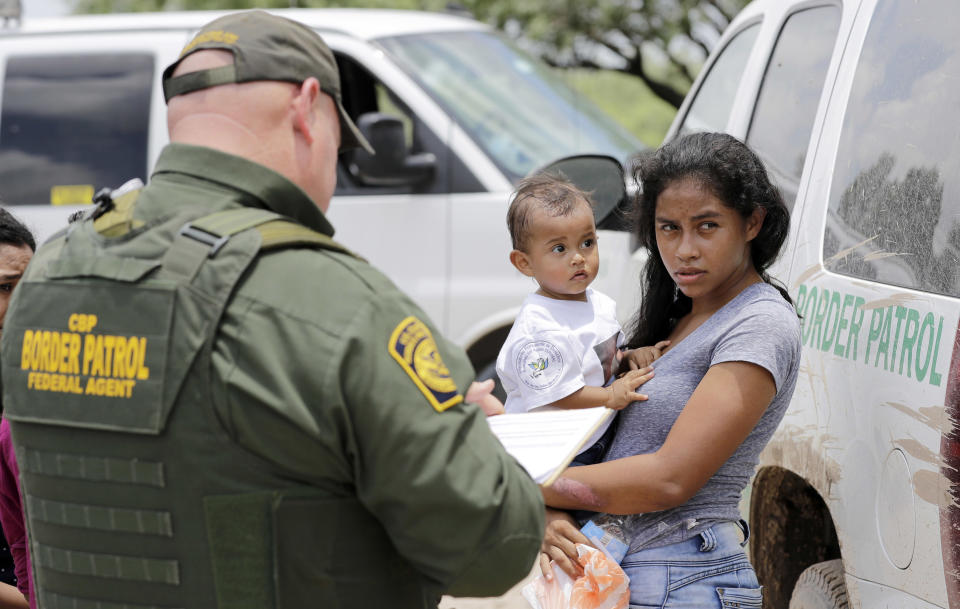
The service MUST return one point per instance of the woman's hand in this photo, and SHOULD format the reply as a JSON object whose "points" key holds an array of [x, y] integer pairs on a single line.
{"points": [[560, 540]]}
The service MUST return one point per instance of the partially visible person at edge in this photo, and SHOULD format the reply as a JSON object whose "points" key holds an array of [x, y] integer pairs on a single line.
{"points": [[242, 413], [16, 249], [672, 477]]}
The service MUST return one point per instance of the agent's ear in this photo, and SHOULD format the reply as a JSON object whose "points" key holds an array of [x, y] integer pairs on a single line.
{"points": [[522, 262], [303, 106], [755, 223]]}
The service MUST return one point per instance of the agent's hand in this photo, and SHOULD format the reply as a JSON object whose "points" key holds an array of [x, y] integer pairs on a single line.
{"points": [[622, 391], [560, 539], [642, 357], [480, 394]]}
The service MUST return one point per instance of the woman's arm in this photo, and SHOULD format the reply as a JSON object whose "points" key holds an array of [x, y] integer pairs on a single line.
{"points": [[720, 414]]}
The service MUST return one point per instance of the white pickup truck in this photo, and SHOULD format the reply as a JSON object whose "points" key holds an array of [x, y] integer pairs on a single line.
{"points": [[81, 108]]}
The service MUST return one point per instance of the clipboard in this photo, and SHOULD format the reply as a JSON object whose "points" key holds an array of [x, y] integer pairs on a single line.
{"points": [[545, 443]]}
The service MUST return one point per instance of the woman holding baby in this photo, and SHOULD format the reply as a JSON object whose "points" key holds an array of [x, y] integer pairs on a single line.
{"points": [[671, 480]]}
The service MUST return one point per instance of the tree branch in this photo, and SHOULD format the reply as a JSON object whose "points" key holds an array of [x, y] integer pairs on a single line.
{"points": [[635, 67], [681, 67], [700, 43], [675, 62], [720, 10], [595, 38], [589, 63], [660, 89], [686, 26], [718, 20]]}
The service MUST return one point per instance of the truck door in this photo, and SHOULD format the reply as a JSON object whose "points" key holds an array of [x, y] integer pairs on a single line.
{"points": [[402, 228], [78, 111], [876, 281]]}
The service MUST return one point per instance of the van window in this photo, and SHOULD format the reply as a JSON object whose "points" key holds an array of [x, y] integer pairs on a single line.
{"points": [[711, 107], [71, 124], [895, 195], [787, 104]]}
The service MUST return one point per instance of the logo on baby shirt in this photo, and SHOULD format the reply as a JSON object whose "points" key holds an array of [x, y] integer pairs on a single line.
{"points": [[539, 364]]}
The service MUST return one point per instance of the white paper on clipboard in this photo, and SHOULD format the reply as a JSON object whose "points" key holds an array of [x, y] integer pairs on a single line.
{"points": [[546, 442]]}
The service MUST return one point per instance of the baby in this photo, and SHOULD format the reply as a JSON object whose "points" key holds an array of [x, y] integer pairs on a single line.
{"points": [[563, 350]]}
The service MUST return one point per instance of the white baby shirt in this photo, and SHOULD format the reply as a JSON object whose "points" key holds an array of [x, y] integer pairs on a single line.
{"points": [[555, 347]]}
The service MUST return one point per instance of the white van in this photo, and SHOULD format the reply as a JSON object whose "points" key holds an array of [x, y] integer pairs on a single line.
{"points": [[81, 108], [853, 106]]}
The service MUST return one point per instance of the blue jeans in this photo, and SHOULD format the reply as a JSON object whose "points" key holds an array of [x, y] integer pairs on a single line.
{"points": [[708, 571]]}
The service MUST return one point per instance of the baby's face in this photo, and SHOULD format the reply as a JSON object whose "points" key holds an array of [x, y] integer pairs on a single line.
{"points": [[562, 252]]}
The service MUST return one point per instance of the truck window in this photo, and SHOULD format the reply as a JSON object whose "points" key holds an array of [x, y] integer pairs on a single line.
{"points": [[711, 107], [895, 195], [71, 124], [517, 110], [364, 93], [787, 104]]}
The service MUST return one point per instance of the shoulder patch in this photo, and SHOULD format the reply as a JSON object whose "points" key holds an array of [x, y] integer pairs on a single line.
{"points": [[539, 364], [412, 345]]}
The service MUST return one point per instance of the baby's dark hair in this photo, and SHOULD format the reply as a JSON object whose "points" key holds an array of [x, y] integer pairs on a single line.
{"points": [[554, 194], [14, 232], [736, 176]]}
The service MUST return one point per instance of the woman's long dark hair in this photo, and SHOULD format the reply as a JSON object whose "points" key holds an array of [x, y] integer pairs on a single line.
{"points": [[735, 175]]}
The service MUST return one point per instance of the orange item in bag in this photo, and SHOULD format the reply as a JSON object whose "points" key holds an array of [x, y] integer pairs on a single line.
{"points": [[603, 584]]}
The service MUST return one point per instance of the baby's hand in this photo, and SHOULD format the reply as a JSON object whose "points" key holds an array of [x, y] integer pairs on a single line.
{"points": [[622, 390], [642, 357], [481, 395]]}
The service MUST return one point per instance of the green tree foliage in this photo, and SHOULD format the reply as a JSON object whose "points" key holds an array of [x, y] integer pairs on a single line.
{"points": [[626, 99], [662, 42], [134, 6]]}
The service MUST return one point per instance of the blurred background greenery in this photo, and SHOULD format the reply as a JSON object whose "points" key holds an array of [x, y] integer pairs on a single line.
{"points": [[626, 99], [636, 59]]}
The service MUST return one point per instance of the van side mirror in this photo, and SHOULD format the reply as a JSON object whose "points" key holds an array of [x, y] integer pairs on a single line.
{"points": [[392, 165], [602, 178]]}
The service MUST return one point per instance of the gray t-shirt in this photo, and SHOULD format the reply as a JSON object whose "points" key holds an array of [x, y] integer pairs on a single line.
{"points": [[757, 326]]}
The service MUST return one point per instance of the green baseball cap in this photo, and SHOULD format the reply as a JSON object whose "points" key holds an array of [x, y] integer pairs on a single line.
{"points": [[265, 47]]}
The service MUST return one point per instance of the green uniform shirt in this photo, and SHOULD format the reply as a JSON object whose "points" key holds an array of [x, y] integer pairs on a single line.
{"points": [[311, 372]]}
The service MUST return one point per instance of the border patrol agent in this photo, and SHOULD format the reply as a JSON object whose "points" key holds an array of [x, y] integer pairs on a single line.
{"points": [[216, 405]]}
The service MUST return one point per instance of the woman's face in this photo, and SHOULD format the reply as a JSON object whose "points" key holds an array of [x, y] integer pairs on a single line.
{"points": [[704, 244]]}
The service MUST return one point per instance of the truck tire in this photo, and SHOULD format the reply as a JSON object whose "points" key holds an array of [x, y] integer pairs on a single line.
{"points": [[821, 586]]}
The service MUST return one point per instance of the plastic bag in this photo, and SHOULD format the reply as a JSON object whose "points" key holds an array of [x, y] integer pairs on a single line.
{"points": [[603, 585], [608, 536]]}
